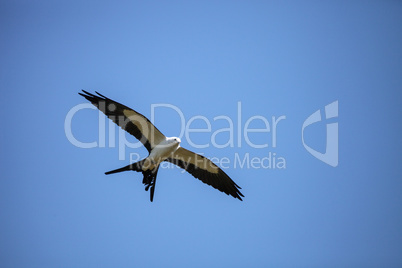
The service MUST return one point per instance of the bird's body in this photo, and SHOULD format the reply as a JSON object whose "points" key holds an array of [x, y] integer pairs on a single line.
{"points": [[161, 152], [161, 148]]}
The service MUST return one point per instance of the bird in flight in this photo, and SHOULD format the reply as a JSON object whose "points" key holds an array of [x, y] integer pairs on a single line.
{"points": [[161, 148]]}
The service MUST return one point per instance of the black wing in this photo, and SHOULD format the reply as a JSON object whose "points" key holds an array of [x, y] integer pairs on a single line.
{"points": [[205, 170], [131, 121]]}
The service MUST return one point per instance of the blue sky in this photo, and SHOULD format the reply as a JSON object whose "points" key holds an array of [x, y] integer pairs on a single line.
{"points": [[290, 59]]}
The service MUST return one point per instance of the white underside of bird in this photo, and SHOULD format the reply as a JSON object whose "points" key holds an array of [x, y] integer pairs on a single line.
{"points": [[161, 152]]}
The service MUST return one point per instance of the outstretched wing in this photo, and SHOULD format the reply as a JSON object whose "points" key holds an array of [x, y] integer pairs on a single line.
{"points": [[205, 170], [134, 123]]}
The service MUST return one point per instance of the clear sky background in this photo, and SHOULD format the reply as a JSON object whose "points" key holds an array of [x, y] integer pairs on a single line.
{"points": [[57, 207]]}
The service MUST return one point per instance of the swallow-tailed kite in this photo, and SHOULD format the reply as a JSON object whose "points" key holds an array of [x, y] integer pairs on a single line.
{"points": [[161, 148]]}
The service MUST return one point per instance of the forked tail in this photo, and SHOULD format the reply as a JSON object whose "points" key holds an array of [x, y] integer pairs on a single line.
{"points": [[150, 180], [149, 175]]}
